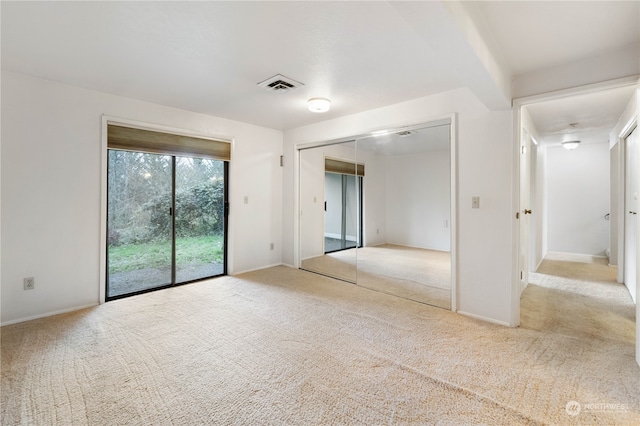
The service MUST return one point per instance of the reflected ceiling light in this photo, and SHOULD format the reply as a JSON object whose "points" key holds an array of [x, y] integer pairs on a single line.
{"points": [[570, 144], [319, 104], [378, 133]]}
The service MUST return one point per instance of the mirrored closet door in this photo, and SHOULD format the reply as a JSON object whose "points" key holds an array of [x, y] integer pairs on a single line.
{"points": [[376, 211], [330, 210]]}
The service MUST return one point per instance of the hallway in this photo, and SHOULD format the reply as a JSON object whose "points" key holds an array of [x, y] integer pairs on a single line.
{"points": [[579, 300]]}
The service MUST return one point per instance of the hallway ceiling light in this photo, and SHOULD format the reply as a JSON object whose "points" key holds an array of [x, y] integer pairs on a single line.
{"points": [[319, 104], [570, 144]]}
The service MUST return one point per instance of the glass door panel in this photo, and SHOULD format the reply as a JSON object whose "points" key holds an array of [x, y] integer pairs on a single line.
{"points": [[342, 208], [199, 221], [139, 222]]}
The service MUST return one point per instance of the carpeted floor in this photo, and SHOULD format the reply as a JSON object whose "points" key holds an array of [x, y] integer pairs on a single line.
{"points": [[283, 346], [416, 274]]}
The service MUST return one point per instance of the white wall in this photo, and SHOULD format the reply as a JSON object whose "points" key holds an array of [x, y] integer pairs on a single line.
{"points": [[578, 195], [51, 175], [374, 199], [484, 163], [418, 200]]}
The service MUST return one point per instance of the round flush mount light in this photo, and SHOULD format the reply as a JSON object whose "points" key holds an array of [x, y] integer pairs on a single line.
{"points": [[570, 144], [319, 104]]}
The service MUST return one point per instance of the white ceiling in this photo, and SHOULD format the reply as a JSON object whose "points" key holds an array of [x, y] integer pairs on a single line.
{"points": [[534, 35], [435, 138], [588, 118], [209, 56]]}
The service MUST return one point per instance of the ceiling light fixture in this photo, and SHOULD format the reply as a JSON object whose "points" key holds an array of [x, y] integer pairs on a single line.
{"points": [[570, 144], [319, 104]]}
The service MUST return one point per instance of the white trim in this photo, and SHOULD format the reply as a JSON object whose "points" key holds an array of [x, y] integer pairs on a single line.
{"points": [[454, 219], [578, 90], [103, 211], [515, 290], [574, 257], [440, 121], [296, 208], [629, 128], [273, 265], [481, 318], [48, 314]]}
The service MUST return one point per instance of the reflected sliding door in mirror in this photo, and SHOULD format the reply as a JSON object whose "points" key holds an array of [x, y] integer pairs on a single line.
{"points": [[395, 237], [330, 210]]}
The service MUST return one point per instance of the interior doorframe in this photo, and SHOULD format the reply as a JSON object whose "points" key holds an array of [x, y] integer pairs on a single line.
{"points": [[517, 105], [104, 157], [453, 169]]}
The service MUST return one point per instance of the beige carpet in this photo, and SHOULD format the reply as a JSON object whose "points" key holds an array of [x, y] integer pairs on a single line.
{"points": [[283, 346], [416, 274]]}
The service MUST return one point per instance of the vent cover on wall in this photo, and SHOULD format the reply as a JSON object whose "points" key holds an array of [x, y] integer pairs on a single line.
{"points": [[280, 84]]}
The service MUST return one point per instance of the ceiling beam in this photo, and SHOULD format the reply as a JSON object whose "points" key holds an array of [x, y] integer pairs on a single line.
{"points": [[456, 34]]}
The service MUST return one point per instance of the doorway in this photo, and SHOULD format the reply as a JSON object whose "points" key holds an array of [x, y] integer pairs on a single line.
{"points": [[166, 210], [632, 157], [585, 125]]}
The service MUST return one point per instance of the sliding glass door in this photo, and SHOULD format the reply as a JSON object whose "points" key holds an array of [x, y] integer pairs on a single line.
{"points": [[343, 208], [166, 221], [199, 220]]}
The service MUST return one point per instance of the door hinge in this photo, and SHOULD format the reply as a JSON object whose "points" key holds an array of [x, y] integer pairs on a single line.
{"points": [[517, 215], [521, 275]]}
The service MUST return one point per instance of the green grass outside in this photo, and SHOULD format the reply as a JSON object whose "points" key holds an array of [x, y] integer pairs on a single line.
{"points": [[195, 250]]}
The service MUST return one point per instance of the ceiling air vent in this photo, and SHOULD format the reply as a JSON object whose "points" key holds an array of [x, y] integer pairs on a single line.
{"points": [[280, 84]]}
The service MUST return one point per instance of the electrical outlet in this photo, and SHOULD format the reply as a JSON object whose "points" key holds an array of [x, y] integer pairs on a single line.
{"points": [[29, 283], [475, 202]]}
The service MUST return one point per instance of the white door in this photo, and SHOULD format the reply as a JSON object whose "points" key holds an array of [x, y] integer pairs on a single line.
{"points": [[632, 163], [525, 210]]}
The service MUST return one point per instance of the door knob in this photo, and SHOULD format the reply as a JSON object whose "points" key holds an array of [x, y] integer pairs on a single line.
{"points": [[527, 211]]}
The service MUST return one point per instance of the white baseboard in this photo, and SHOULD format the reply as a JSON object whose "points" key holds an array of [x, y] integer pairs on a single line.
{"points": [[48, 314], [256, 269], [575, 257], [481, 318]]}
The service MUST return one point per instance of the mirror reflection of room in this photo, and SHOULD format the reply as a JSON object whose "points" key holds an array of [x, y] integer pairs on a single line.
{"points": [[330, 210], [407, 214], [385, 221]]}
